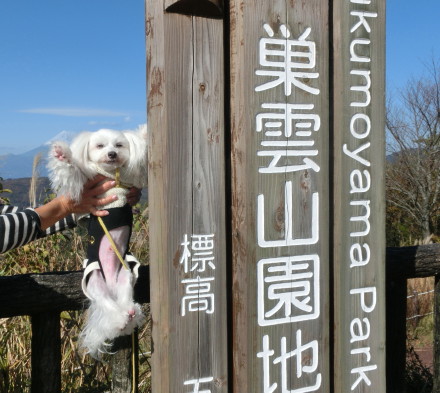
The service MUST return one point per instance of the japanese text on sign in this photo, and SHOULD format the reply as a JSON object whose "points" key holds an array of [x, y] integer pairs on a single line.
{"points": [[288, 286], [197, 257]]}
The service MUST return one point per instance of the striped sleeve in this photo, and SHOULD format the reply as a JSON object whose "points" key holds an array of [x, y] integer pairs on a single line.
{"points": [[19, 227], [66, 223]]}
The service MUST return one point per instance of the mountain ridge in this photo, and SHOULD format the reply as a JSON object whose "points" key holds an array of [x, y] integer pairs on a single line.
{"points": [[18, 166]]}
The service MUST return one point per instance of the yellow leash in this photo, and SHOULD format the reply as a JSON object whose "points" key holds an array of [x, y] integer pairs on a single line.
{"points": [[118, 254], [112, 243]]}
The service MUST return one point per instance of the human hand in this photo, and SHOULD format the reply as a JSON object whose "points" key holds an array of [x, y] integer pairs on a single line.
{"points": [[90, 200], [133, 196]]}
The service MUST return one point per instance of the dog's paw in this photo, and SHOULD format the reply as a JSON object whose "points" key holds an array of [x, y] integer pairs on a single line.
{"points": [[61, 152], [133, 315], [134, 319]]}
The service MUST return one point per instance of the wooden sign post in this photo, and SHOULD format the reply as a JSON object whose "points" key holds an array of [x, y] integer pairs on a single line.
{"points": [[359, 197], [280, 138], [266, 122], [185, 57]]}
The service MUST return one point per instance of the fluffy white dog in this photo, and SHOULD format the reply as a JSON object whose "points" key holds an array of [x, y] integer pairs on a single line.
{"points": [[108, 279]]}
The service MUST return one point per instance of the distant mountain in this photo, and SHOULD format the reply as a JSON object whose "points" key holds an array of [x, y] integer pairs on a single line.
{"points": [[15, 166], [20, 191], [16, 171]]}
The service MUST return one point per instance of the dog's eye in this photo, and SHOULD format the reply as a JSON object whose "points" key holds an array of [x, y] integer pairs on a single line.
{"points": [[100, 145], [119, 145]]}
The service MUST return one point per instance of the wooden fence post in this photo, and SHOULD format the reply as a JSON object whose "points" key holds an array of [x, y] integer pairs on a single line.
{"points": [[187, 200], [359, 197], [125, 372], [396, 293], [436, 387], [46, 353]]}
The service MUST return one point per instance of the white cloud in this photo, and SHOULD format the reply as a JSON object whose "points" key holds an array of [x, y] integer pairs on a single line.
{"points": [[75, 112]]}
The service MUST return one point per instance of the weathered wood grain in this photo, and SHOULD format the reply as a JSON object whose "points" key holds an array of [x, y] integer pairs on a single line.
{"points": [[187, 199], [359, 197], [413, 262], [124, 378], [53, 292], [286, 21], [402, 263]]}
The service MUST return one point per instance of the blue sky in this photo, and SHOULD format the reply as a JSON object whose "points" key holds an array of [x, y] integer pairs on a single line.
{"points": [[413, 39], [70, 65], [75, 65]]}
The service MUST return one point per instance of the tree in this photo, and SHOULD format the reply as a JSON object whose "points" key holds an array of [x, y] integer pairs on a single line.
{"points": [[413, 167]]}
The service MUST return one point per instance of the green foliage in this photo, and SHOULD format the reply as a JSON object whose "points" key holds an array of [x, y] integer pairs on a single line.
{"points": [[425, 328]]}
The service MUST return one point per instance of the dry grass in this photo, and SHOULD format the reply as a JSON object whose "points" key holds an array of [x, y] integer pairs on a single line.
{"points": [[420, 329], [80, 373], [420, 321]]}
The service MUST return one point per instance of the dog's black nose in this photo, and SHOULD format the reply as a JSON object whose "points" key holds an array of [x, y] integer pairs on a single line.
{"points": [[112, 155]]}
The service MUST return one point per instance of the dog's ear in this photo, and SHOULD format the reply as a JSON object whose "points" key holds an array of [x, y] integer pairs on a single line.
{"points": [[137, 162], [143, 131], [80, 152]]}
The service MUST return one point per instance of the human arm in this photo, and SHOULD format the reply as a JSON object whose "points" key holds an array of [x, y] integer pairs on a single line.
{"points": [[62, 206], [19, 227], [134, 196]]}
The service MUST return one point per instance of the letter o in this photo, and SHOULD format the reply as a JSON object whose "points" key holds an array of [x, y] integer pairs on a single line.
{"points": [[354, 130]]}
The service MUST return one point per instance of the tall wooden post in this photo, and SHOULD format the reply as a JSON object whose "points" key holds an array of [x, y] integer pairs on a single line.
{"points": [[185, 57], [280, 163], [359, 197], [304, 295]]}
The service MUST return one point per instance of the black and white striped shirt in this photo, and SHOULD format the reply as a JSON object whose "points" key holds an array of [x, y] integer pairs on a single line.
{"points": [[19, 227]]}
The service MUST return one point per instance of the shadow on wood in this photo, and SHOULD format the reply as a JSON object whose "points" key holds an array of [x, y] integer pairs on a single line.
{"points": [[204, 8]]}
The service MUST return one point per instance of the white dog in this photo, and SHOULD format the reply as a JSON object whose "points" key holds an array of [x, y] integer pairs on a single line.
{"points": [[108, 279]]}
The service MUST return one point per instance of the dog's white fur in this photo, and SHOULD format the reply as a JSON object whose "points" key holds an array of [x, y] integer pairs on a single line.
{"points": [[112, 311], [71, 166]]}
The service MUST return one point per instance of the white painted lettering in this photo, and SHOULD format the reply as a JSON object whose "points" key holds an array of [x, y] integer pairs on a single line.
{"points": [[364, 218], [362, 292], [355, 126], [355, 153], [364, 350], [266, 354], [289, 239], [354, 56], [362, 375], [362, 88], [357, 331], [359, 183], [362, 20], [356, 257]]}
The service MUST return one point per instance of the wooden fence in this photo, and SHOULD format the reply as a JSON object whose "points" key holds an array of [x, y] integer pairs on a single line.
{"points": [[266, 180], [44, 296]]}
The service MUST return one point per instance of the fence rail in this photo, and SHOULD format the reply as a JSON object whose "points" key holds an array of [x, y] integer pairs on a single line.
{"points": [[45, 296], [404, 263]]}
